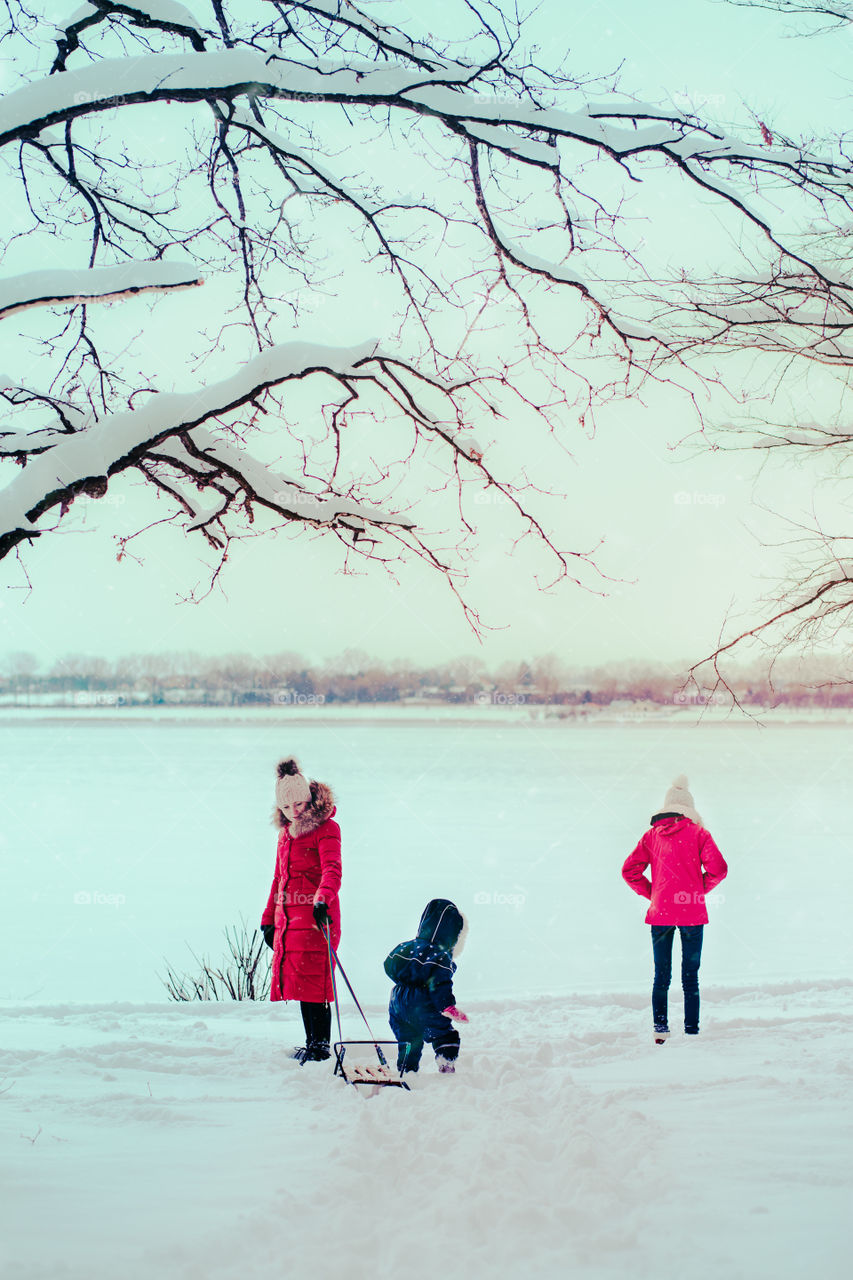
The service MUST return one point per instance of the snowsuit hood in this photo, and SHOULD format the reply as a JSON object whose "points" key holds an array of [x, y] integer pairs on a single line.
{"points": [[428, 960], [443, 925]]}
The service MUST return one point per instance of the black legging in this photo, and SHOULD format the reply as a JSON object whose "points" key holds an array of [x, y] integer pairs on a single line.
{"points": [[317, 1020]]}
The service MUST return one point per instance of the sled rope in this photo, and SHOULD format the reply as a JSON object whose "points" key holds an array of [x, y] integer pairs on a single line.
{"points": [[333, 953], [330, 949]]}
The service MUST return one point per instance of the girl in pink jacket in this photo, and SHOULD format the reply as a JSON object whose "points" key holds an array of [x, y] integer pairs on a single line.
{"points": [[685, 865]]}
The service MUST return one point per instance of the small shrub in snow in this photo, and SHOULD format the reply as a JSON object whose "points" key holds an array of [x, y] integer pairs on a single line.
{"points": [[243, 974]]}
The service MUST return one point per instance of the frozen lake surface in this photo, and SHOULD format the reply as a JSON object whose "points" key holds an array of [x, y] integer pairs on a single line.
{"points": [[126, 839]]}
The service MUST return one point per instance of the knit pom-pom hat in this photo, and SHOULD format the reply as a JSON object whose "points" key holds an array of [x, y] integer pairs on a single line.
{"points": [[291, 785], [679, 800]]}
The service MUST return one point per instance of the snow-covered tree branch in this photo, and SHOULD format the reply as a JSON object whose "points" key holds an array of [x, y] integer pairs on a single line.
{"points": [[100, 284], [427, 234]]}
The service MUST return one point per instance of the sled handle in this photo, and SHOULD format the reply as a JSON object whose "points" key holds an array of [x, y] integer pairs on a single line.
{"points": [[333, 953]]}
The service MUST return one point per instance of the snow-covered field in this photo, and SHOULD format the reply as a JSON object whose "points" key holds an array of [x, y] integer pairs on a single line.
{"points": [[180, 1141]]}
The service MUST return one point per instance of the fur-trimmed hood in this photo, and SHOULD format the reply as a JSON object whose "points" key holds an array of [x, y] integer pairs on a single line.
{"points": [[320, 807]]}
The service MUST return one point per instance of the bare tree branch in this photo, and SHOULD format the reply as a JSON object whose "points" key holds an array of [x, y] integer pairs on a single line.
{"points": [[288, 153]]}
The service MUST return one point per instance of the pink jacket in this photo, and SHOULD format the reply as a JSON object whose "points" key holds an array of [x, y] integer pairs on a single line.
{"points": [[685, 863]]}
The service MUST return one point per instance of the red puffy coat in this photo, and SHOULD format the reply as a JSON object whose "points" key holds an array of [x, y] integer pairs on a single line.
{"points": [[307, 870], [685, 863]]}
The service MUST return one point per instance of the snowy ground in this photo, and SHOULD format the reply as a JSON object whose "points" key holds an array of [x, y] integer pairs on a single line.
{"points": [[180, 1142]]}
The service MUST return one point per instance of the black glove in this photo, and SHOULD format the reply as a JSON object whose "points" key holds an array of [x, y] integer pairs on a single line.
{"points": [[268, 930], [321, 915]]}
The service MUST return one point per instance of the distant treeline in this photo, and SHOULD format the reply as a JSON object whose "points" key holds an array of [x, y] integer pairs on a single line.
{"points": [[355, 677]]}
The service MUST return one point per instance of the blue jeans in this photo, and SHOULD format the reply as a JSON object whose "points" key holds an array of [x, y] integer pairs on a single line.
{"points": [[691, 953]]}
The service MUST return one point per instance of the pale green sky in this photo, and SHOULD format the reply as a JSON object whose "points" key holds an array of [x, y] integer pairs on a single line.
{"points": [[681, 536]]}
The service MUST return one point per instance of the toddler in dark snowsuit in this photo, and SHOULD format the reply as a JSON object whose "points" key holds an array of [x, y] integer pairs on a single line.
{"points": [[422, 1002]]}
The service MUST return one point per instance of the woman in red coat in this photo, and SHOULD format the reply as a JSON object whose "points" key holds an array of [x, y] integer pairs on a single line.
{"points": [[685, 866], [304, 898]]}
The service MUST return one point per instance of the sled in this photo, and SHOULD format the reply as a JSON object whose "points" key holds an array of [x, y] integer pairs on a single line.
{"points": [[377, 1074]]}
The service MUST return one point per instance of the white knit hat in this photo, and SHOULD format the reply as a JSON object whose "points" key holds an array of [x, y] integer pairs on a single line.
{"points": [[291, 786], [679, 800]]}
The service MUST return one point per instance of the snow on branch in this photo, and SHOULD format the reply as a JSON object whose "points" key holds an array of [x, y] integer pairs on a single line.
{"points": [[82, 461], [162, 15], [193, 77], [159, 11], [95, 284], [445, 94]]}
